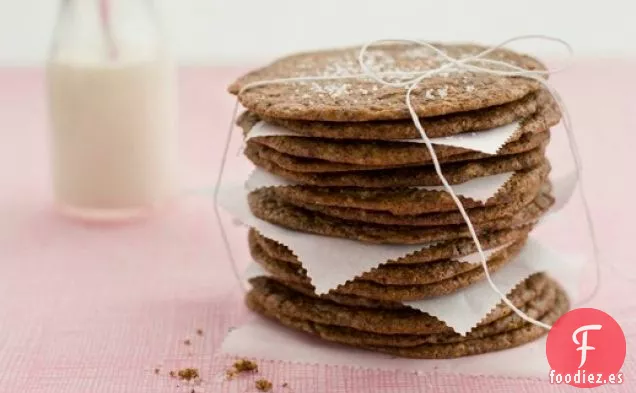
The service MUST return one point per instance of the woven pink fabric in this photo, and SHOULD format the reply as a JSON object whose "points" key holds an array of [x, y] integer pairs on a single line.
{"points": [[87, 308]]}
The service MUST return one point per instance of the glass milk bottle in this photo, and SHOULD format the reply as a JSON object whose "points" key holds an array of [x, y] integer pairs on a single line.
{"points": [[112, 95]]}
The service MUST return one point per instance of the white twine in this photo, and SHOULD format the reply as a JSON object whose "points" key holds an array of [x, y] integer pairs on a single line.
{"points": [[410, 81]]}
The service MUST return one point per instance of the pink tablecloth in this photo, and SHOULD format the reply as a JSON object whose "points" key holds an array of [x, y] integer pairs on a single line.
{"points": [[87, 308]]}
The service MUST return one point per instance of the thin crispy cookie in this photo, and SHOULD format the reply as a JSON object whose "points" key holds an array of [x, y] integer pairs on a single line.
{"points": [[265, 206], [362, 99], [411, 201], [420, 176]]}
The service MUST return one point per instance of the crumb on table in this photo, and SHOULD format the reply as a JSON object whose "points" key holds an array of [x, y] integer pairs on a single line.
{"points": [[200, 332], [241, 366], [285, 384], [157, 370], [263, 385], [244, 365], [187, 342], [187, 374]]}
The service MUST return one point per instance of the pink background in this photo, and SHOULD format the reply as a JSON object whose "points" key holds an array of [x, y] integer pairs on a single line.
{"points": [[89, 308]]}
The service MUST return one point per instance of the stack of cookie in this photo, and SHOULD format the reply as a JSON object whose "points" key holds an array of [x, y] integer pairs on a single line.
{"points": [[355, 169]]}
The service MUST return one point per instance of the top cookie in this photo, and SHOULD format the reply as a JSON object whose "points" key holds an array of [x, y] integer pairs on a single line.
{"points": [[364, 99]]}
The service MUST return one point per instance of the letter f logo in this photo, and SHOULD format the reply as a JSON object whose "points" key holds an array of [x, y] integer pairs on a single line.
{"points": [[584, 347]]}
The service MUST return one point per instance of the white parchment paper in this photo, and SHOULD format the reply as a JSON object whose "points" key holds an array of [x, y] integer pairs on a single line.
{"points": [[480, 189], [256, 270], [262, 129], [563, 187], [487, 141], [260, 178]]}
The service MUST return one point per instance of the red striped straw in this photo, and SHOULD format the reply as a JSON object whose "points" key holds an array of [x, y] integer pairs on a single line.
{"points": [[104, 11]]}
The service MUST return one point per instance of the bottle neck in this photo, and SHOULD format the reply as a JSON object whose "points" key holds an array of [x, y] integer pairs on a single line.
{"points": [[103, 11], [107, 30], [113, 4]]}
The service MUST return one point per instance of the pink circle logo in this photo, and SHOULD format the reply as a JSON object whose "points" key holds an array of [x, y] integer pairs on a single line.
{"points": [[586, 348]]}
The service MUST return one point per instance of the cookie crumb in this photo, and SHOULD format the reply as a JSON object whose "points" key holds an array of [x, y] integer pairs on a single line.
{"points": [[285, 384], [200, 332], [172, 374], [241, 366], [244, 365], [157, 371], [187, 342], [188, 374], [264, 385]]}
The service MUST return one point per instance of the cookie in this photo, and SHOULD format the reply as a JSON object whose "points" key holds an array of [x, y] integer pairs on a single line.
{"points": [[265, 206], [337, 298], [373, 153], [411, 201], [399, 283], [419, 176], [506, 340], [442, 280], [436, 127], [363, 99], [306, 165], [477, 215], [444, 250], [310, 165], [519, 296], [387, 274], [281, 300], [535, 308]]}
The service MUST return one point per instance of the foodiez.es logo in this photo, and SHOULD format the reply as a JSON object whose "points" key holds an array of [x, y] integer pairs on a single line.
{"points": [[586, 348]]}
